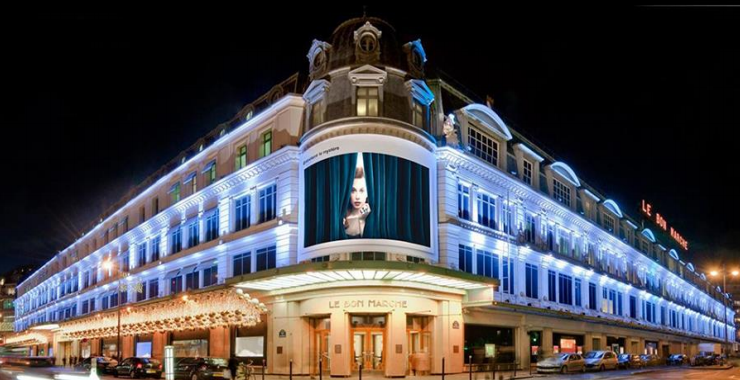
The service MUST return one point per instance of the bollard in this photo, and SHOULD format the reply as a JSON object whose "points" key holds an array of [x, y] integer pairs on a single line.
{"points": [[515, 366], [443, 368], [290, 373], [360, 372], [470, 367], [493, 370], [264, 367], [321, 370]]}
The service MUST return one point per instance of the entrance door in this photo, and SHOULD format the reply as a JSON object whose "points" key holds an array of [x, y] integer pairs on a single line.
{"points": [[368, 342], [367, 347], [320, 345]]}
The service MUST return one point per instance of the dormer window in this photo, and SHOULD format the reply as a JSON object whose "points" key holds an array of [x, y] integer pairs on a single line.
{"points": [[420, 98], [368, 43], [527, 170], [483, 146], [561, 193], [367, 101], [608, 222]]}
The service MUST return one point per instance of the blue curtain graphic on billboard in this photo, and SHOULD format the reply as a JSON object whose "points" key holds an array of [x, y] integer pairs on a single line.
{"points": [[368, 196]]}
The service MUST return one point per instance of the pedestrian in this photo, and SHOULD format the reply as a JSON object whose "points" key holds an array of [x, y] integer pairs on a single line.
{"points": [[232, 366], [64, 361]]}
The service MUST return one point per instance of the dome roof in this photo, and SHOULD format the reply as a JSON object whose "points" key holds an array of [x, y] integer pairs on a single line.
{"points": [[389, 52]]}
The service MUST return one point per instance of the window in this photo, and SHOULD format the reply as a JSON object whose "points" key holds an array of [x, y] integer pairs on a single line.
{"points": [[210, 276], [155, 206], [529, 228], [142, 214], [156, 241], [608, 222], [268, 203], [487, 264], [418, 115], [566, 289], [153, 289], [619, 304], [592, 296], [142, 254], [85, 307], [482, 146], [176, 235], [508, 275], [243, 211], [367, 101], [92, 304], [486, 210], [141, 296], [507, 219], [465, 258], [368, 256], [192, 281], [463, 201], [560, 192], [113, 300], [551, 290], [266, 144], [633, 307], [105, 303], [193, 180], [266, 258], [527, 172], [193, 233], [212, 226], [176, 285], [210, 172], [531, 279], [241, 157], [578, 292], [415, 260], [242, 264], [175, 193]]}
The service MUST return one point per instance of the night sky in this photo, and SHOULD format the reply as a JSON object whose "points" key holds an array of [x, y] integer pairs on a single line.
{"points": [[640, 102]]}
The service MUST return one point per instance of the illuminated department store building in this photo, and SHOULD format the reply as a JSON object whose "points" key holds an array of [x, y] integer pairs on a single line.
{"points": [[369, 215]]}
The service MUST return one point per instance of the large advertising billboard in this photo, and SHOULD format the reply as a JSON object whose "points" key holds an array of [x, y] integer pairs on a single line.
{"points": [[366, 196]]}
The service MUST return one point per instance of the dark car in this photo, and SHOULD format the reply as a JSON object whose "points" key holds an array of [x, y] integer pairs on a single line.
{"points": [[202, 368], [698, 360], [104, 365], [139, 367], [711, 359], [630, 361], [677, 359]]}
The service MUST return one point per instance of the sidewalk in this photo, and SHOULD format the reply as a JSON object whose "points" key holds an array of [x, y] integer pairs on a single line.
{"points": [[505, 375]]}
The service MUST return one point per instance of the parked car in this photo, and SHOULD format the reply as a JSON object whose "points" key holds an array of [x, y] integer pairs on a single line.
{"points": [[139, 367], [202, 368], [651, 360], [104, 364], [601, 360], [698, 360], [711, 358], [630, 361], [562, 363], [677, 359]]}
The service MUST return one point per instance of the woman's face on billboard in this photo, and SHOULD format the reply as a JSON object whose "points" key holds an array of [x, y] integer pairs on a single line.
{"points": [[359, 193]]}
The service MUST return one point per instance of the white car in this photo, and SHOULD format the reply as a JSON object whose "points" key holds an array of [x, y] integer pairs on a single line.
{"points": [[601, 360]]}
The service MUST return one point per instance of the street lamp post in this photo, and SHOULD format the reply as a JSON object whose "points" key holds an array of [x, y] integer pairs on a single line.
{"points": [[734, 273], [108, 265]]}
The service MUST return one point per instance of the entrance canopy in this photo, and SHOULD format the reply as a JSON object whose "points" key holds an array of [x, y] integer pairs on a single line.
{"points": [[212, 308], [27, 338], [344, 273]]}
